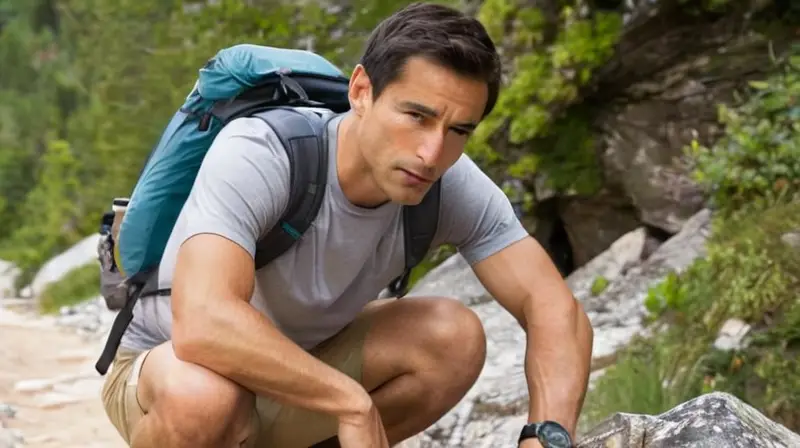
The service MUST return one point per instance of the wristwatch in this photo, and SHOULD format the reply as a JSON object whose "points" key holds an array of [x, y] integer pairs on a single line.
{"points": [[549, 433]]}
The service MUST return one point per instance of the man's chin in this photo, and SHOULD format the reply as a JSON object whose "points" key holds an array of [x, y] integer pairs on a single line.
{"points": [[407, 196]]}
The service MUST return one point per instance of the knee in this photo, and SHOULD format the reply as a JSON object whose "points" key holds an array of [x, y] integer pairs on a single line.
{"points": [[197, 407], [454, 334]]}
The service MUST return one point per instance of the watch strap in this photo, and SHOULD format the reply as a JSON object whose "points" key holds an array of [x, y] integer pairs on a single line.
{"points": [[529, 431]]}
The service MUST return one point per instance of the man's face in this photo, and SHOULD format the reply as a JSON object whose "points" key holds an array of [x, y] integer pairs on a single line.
{"points": [[418, 126]]}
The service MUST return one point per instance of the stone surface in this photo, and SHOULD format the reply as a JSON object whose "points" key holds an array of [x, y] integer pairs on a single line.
{"points": [[623, 254], [617, 312], [8, 273], [76, 256], [732, 335], [594, 223], [714, 420], [10, 438], [791, 239], [671, 78]]}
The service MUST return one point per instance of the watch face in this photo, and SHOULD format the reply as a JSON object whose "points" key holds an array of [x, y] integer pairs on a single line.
{"points": [[553, 435]]}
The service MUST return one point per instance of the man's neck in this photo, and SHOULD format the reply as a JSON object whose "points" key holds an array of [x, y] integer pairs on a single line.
{"points": [[355, 176]]}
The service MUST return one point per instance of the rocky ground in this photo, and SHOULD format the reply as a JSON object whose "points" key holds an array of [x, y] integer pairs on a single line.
{"points": [[49, 390]]}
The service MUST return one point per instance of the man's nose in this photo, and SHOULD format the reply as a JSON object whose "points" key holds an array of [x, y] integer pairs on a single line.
{"points": [[431, 149]]}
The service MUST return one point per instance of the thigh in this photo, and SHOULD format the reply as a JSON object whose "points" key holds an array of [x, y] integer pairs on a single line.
{"points": [[289, 427], [119, 392]]}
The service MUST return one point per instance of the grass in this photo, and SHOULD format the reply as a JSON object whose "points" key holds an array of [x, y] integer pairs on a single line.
{"points": [[750, 273], [78, 285]]}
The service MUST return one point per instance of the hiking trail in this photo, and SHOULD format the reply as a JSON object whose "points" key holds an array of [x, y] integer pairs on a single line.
{"points": [[49, 390]]}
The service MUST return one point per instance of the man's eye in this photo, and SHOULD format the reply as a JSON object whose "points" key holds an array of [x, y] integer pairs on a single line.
{"points": [[415, 116]]}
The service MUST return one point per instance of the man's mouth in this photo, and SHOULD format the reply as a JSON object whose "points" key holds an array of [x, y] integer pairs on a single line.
{"points": [[415, 176]]}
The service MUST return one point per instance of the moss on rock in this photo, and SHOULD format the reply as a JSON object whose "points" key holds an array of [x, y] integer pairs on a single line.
{"points": [[551, 55]]}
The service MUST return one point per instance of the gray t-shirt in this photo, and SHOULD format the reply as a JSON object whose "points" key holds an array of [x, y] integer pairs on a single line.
{"points": [[344, 259]]}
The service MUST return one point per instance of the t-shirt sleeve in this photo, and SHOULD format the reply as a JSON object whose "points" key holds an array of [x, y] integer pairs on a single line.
{"points": [[476, 216], [242, 187]]}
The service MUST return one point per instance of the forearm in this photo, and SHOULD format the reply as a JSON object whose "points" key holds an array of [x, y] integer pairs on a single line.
{"points": [[557, 361], [236, 341]]}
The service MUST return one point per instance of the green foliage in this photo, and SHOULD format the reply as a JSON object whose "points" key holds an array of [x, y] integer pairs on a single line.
{"points": [[635, 383], [668, 294], [599, 285], [433, 259], [31, 88], [552, 58], [51, 212], [758, 157], [76, 286], [749, 273]]}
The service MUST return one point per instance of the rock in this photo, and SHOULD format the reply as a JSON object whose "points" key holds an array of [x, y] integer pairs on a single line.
{"points": [[594, 223], [40, 385], [610, 265], [671, 99], [56, 400], [8, 275], [713, 420], [90, 317], [10, 438], [731, 335], [453, 278], [7, 412], [80, 254], [617, 313], [791, 239]]}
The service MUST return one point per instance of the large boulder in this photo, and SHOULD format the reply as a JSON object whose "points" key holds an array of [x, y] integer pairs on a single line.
{"points": [[714, 420]]}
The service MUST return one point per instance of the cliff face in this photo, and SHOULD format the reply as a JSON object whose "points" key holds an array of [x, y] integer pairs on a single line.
{"points": [[599, 137]]}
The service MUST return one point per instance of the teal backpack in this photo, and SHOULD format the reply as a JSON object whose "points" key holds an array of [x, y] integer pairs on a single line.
{"points": [[295, 92]]}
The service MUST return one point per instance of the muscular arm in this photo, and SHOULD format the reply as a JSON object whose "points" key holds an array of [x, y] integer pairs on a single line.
{"points": [[215, 326], [240, 192], [524, 281], [519, 274]]}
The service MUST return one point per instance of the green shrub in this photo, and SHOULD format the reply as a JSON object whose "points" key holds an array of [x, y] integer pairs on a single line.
{"points": [[76, 286], [758, 157], [749, 273], [599, 285]]}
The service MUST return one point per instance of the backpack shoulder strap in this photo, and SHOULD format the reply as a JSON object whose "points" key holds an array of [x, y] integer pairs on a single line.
{"points": [[305, 138], [419, 227]]}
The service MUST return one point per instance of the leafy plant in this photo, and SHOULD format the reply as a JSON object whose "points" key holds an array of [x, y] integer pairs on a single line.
{"points": [[758, 157], [74, 287], [749, 273]]}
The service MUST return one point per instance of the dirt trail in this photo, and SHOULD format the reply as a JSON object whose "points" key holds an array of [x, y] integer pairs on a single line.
{"points": [[47, 376]]}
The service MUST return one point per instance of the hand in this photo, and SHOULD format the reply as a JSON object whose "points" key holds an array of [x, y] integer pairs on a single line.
{"points": [[530, 443], [363, 429]]}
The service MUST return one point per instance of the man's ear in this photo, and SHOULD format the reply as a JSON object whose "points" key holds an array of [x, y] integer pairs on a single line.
{"points": [[360, 91]]}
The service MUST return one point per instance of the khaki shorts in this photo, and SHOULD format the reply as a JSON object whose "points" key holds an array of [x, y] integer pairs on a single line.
{"points": [[278, 425]]}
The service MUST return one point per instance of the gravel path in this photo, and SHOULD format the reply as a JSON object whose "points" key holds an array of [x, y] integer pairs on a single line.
{"points": [[49, 390]]}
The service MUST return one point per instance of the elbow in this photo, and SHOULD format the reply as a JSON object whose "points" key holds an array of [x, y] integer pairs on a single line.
{"points": [[190, 336], [186, 342]]}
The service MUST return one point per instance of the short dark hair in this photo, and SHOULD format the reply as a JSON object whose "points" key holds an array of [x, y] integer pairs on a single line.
{"points": [[439, 33]]}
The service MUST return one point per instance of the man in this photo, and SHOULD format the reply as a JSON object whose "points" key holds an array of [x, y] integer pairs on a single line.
{"points": [[300, 353]]}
